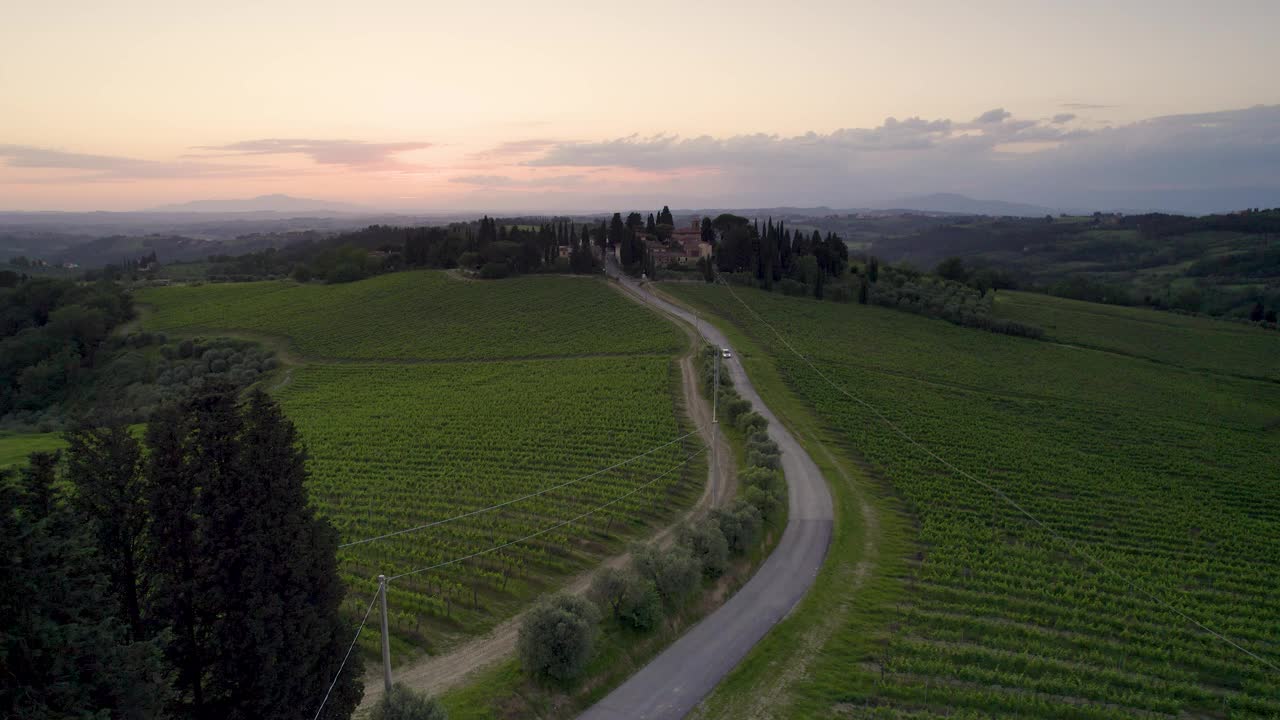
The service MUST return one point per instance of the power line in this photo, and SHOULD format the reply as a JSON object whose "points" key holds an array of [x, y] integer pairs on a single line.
{"points": [[1072, 544], [519, 499], [561, 524], [346, 657]]}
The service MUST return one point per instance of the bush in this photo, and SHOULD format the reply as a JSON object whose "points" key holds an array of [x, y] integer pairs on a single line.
{"points": [[641, 606], [793, 288], [495, 270], [766, 502], [557, 636], [763, 459], [608, 588], [750, 423], [674, 572], [760, 442], [707, 545], [740, 524], [764, 478], [735, 408], [404, 704]]}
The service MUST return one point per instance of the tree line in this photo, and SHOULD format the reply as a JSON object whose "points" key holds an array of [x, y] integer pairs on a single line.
{"points": [[184, 574], [52, 338]]}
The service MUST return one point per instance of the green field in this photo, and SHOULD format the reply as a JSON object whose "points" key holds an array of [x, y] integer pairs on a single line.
{"points": [[1162, 469], [425, 315], [401, 443], [1199, 343], [15, 447]]}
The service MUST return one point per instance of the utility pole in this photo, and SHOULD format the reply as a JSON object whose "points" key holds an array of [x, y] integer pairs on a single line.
{"points": [[386, 638]]}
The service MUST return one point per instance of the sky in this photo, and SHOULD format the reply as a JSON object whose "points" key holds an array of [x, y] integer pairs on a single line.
{"points": [[564, 105]]}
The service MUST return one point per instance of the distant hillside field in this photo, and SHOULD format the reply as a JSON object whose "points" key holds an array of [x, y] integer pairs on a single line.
{"points": [[15, 447], [1193, 342], [399, 444], [426, 315], [1164, 469]]}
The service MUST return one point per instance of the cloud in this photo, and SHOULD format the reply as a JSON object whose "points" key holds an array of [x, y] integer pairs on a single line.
{"points": [[513, 148], [506, 181], [1176, 162], [992, 116], [352, 153], [890, 142], [114, 167]]}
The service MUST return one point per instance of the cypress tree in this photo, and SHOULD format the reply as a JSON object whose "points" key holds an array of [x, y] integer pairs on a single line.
{"points": [[246, 573], [64, 652], [708, 232], [104, 466]]}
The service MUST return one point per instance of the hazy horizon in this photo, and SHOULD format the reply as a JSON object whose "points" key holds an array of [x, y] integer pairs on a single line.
{"points": [[564, 105]]}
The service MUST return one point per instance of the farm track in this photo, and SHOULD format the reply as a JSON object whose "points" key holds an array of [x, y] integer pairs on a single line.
{"points": [[438, 673]]}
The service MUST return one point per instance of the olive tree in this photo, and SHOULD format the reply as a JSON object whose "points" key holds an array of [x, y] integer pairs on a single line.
{"points": [[557, 636]]}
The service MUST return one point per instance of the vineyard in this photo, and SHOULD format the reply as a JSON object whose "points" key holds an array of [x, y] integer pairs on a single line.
{"points": [[425, 315], [401, 444], [1194, 342], [396, 447], [1161, 471]]}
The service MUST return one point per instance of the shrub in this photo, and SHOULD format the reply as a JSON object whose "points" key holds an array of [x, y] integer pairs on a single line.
{"points": [[740, 524], [494, 270], [763, 459], [641, 606], [404, 704], [608, 588], [793, 288], [760, 441], [674, 572], [764, 478], [707, 545], [766, 502], [735, 408], [750, 423], [557, 636]]}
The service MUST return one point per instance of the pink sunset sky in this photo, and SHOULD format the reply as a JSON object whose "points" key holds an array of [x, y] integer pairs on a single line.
{"points": [[591, 105]]}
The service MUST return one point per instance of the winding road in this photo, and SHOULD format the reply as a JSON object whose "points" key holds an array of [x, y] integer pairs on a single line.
{"points": [[677, 680]]}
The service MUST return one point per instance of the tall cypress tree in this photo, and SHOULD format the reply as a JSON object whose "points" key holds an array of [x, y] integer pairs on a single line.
{"points": [[64, 652], [175, 565], [104, 466], [246, 573]]}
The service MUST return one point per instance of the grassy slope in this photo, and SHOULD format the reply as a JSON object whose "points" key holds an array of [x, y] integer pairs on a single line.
{"points": [[15, 447], [424, 315], [399, 443], [1184, 341], [1164, 473]]}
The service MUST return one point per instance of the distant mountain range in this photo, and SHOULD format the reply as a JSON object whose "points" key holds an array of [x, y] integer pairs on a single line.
{"points": [[964, 205], [266, 204]]}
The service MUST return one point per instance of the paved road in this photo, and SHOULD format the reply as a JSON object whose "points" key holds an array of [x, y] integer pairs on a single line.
{"points": [[678, 679]]}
